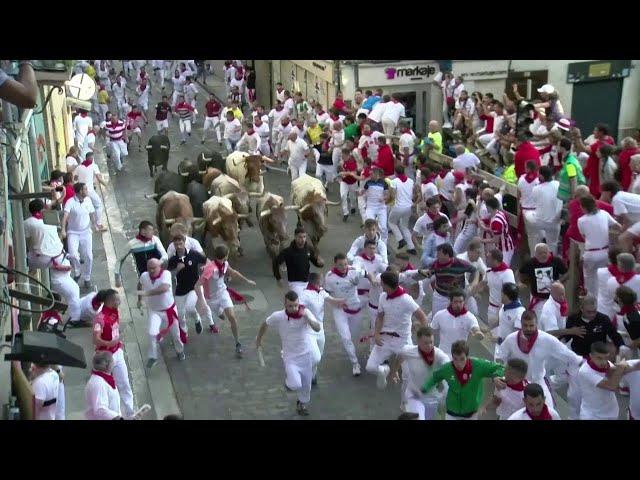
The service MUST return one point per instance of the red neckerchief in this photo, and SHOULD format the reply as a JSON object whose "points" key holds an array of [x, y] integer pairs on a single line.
{"points": [[626, 309], [437, 264], [443, 173], [83, 114], [613, 270], [37, 215], [339, 273], [462, 311], [153, 279], [142, 87], [143, 74], [312, 287], [500, 268], [531, 176], [297, 315], [395, 294], [321, 112], [595, 367], [333, 117], [624, 277], [518, 387], [95, 304], [564, 307], [464, 375], [370, 259], [279, 90], [107, 378], [87, 162], [428, 357], [408, 267], [279, 108], [433, 216], [251, 131], [402, 177], [530, 342], [544, 414], [110, 312], [284, 124], [144, 239], [220, 267]]}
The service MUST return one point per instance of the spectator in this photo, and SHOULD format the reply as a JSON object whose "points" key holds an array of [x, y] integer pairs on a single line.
{"points": [[635, 174], [592, 168], [550, 102], [525, 151], [629, 149], [435, 136], [571, 173], [608, 167]]}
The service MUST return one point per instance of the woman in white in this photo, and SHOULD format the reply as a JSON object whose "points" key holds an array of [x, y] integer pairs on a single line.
{"points": [[635, 169], [594, 226]]}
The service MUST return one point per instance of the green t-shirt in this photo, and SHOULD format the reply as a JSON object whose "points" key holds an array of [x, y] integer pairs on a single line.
{"points": [[351, 131], [464, 400]]}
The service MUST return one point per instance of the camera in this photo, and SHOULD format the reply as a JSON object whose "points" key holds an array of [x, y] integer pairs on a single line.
{"points": [[59, 189]]}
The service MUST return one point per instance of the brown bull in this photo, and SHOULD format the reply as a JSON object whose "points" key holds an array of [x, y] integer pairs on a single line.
{"points": [[310, 198], [227, 187], [174, 207], [272, 219], [222, 221], [247, 170], [209, 175]]}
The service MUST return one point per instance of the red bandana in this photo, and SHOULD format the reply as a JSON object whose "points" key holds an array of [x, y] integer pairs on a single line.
{"points": [[83, 114], [339, 273], [297, 315], [500, 268], [429, 179], [370, 259], [531, 176], [285, 124], [110, 312], [50, 314], [107, 378], [433, 216], [220, 267], [37, 215], [529, 342], [313, 287], [518, 387], [443, 173], [460, 313], [597, 368], [402, 177], [428, 357], [397, 293], [153, 279], [544, 414], [87, 162], [408, 267], [465, 374], [251, 131], [144, 239], [564, 307], [624, 277], [626, 309], [437, 264]]}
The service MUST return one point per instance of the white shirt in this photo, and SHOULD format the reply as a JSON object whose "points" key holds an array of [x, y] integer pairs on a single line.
{"points": [[612, 285], [378, 111], [103, 402], [358, 245], [496, 280], [216, 283], [86, 307], [87, 175], [232, 129], [526, 192], [178, 84], [545, 198], [632, 379], [597, 403], [277, 116], [263, 129], [464, 161], [418, 371], [481, 267], [46, 387], [606, 304], [595, 229], [280, 95], [511, 401], [79, 220], [294, 333], [157, 303], [509, 321], [189, 244], [428, 190], [89, 142], [424, 227], [345, 287], [523, 415], [237, 83], [407, 140], [34, 231], [550, 317], [71, 161], [374, 267], [404, 192], [393, 112], [82, 125], [627, 203], [297, 151], [453, 328], [314, 301], [397, 314], [448, 186]]}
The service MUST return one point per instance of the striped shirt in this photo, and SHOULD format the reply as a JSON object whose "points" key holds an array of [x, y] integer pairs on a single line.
{"points": [[500, 228], [115, 131], [451, 275], [184, 110]]}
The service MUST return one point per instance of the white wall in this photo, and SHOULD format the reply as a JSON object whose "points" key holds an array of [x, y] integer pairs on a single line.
{"points": [[347, 81], [630, 108]]}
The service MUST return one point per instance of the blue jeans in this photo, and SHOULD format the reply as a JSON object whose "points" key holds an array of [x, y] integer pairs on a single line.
{"points": [[230, 144]]}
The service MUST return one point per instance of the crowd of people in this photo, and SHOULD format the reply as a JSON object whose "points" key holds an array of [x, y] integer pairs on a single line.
{"points": [[463, 236]]}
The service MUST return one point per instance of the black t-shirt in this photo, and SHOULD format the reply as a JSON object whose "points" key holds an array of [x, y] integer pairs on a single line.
{"points": [[188, 276], [632, 324], [542, 275], [598, 330], [251, 80], [162, 110]]}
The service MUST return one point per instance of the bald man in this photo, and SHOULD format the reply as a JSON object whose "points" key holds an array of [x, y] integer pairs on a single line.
{"points": [[464, 160], [161, 306], [435, 136]]}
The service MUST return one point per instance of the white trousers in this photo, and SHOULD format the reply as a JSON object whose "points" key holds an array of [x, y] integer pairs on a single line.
{"points": [[485, 139], [362, 207], [299, 372], [389, 128], [329, 172], [348, 326], [298, 287], [121, 376], [348, 194], [81, 246], [297, 169], [97, 204], [104, 108], [399, 224], [537, 308], [38, 260], [158, 321], [70, 291], [379, 354], [212, 123], [378, 213], [591, 262], [185, 127], [61, 410], [317, 342], [265, 147], [463, 239], [118, 152], [186, 306], [426, 409], [537, 230]]}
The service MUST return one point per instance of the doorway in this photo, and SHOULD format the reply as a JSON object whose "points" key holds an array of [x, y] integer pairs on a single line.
{"points": [[409, 101], [597, 102]]}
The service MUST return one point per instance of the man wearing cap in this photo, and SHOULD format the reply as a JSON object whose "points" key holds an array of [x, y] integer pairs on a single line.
{"points": [[571, 173]]}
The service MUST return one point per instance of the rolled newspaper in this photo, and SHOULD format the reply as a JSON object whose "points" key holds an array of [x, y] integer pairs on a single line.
{"points": [[260, 357]]}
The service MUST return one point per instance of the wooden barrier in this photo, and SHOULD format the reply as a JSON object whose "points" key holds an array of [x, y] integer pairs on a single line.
{"points": [[573, 281]]}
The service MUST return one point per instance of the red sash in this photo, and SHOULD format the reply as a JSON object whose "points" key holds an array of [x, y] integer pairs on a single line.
{"points": [[172, 316]]}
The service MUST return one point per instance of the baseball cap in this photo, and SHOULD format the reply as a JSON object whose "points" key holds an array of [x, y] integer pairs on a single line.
{"points": [[564, 124], [546, 88]]}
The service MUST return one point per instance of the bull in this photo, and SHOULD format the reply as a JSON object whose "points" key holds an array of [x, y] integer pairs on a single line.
{"points": [[174, 207], [247, 170], [272, 220], [222, 221], [158, 149], [197, 194], [310, 197], [211, 159], [225, 186], [167, 181]]}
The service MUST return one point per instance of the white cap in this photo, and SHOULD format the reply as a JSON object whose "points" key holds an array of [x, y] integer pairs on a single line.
{"points": [[548, 89]]}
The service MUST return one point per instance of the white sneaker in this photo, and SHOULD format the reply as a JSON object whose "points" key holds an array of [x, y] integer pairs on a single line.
{"points": [[383, 372], [356, 370]]}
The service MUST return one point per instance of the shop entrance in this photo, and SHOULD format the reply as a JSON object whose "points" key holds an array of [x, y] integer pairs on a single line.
{"points": [[409, 101]]}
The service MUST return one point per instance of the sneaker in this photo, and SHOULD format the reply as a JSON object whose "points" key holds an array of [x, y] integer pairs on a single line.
{"points": [[151, 362], [401, 244], [383, 372], [198, 328], [213, 329], [353, 211], [181, 356], [356, 370], [238, 350], [202, 142], [345, 217], [287, 388], [413, 251], [183, 142], [301, 408]]}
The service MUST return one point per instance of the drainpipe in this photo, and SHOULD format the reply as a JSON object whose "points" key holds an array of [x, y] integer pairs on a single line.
{"points": [[356, 75]]}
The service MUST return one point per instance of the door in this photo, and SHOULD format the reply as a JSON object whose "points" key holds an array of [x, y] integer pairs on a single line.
{"points": [[528, 84], [409, 101], [596, 102]]}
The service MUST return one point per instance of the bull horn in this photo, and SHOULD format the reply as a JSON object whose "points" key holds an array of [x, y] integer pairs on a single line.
{"points": [[216, 221], [206, 159], [335, 204], [163, 147], [197, 219], [202, 172], [228, 195], [292, 207], [169, 221], [151, 195], [264, 213], [184, 174], [254, 194], [149, 147], [243, 215], [300, 210]]}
